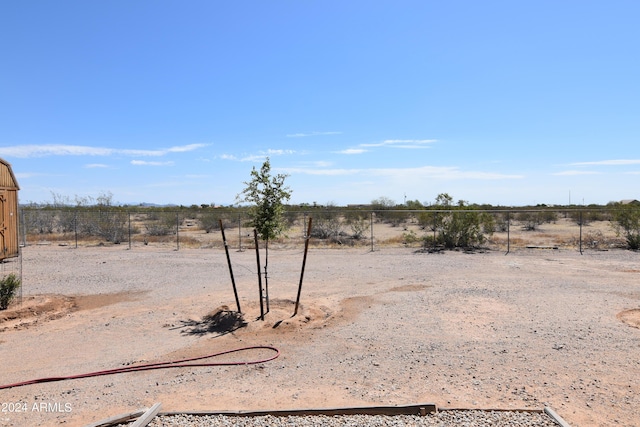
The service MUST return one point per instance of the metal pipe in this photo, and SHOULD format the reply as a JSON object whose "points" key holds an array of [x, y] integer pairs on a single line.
{"points": [[255, 238], [304, 262], [226, 250]]}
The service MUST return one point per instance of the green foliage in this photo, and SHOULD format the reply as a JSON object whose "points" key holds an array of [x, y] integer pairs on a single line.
{"points": [[359, 224], [163, 224], [626, 222], [210, 221], [587, 216], [327, 225], [464, 229], [529, 220], [9, 285], [266, 195], [458, 226], [386, 212]]}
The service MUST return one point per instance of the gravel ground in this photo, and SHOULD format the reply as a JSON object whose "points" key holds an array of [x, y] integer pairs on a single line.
{"points": [[531, 329], [441, 419]]}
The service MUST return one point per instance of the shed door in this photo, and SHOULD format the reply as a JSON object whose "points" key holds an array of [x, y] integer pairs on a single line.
{"points": [[3, 223]]}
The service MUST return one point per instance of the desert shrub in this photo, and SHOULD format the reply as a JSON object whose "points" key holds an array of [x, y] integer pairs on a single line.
{"points": [[501, 222], [358, 222], [410, 237], [530, 220], [626, 223], [460, 228], [548, 216], [209, 222], [464, 229], [587, 216], [386, 212], [594, 239], [326, 225], [39, 221], [108, 225], [164, 224], [9, 285]]}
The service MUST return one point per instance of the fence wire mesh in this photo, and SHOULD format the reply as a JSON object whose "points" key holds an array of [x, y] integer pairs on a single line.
{"points": [[500, 230]]}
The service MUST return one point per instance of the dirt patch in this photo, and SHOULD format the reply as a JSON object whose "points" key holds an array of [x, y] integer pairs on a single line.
{"points": [[630, 317], [409, 288], [37, 309], [90, 302]]}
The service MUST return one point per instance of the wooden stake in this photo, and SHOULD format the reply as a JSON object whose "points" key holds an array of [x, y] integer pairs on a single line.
{"points": [[304, 262], [255, 237], [233, 282]]}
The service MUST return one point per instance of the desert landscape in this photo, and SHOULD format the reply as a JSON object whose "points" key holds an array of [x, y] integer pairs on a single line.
{"points": [[394, 326]]}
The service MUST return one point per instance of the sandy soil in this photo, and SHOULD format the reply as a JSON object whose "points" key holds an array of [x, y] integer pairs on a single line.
{"points": [[531, 329]]}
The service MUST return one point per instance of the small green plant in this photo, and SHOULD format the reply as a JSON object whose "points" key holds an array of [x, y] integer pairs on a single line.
{"points": [[8, 287], [626, 223]]}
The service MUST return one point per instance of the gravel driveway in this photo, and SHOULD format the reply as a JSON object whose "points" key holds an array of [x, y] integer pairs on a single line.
{"points": [[531, 329]]}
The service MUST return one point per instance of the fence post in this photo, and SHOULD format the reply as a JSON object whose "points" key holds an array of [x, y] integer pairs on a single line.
{"points": [[580, 232], [508, 232], [371, 227], [239, 233], [177, 231], [129, 230], [24, 231], [75, 226]]}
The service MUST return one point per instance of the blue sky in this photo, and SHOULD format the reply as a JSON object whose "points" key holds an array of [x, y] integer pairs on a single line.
{"points": [[501, 102]]}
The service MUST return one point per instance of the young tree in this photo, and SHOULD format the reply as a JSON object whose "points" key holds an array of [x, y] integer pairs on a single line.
{"points": [[266, 194]]}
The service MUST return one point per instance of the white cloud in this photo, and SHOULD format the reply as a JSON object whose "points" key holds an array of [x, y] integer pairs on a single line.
{"points": [[147, 163], [619, 162], [271, 152], [95, 166], [409, 174], [352, 151], [441, 173], [402, 143], [185, 148], [259, 157], [575, 172], [254, 158], [26, 151], [326, 172], [302, 135]]}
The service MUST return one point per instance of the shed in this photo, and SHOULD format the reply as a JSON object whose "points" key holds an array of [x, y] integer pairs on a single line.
{"points": [[8, 212]]}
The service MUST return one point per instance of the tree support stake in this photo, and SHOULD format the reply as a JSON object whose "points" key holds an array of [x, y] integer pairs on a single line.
{"points": [[304, 262], [226, 250]]}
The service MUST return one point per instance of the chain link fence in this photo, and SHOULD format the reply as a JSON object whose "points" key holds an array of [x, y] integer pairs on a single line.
{"points": [[428, 229]]}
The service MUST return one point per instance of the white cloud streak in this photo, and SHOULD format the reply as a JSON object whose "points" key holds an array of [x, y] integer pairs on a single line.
{"points": [[402, 143], [303, 135], [619, 162], [575, 173], [27, 151], [350, 151], [257, 157], [148, 163], [424, 172]]}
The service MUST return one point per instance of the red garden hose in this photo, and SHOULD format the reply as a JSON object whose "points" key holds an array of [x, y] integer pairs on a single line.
{"points": [[162, 365]]}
